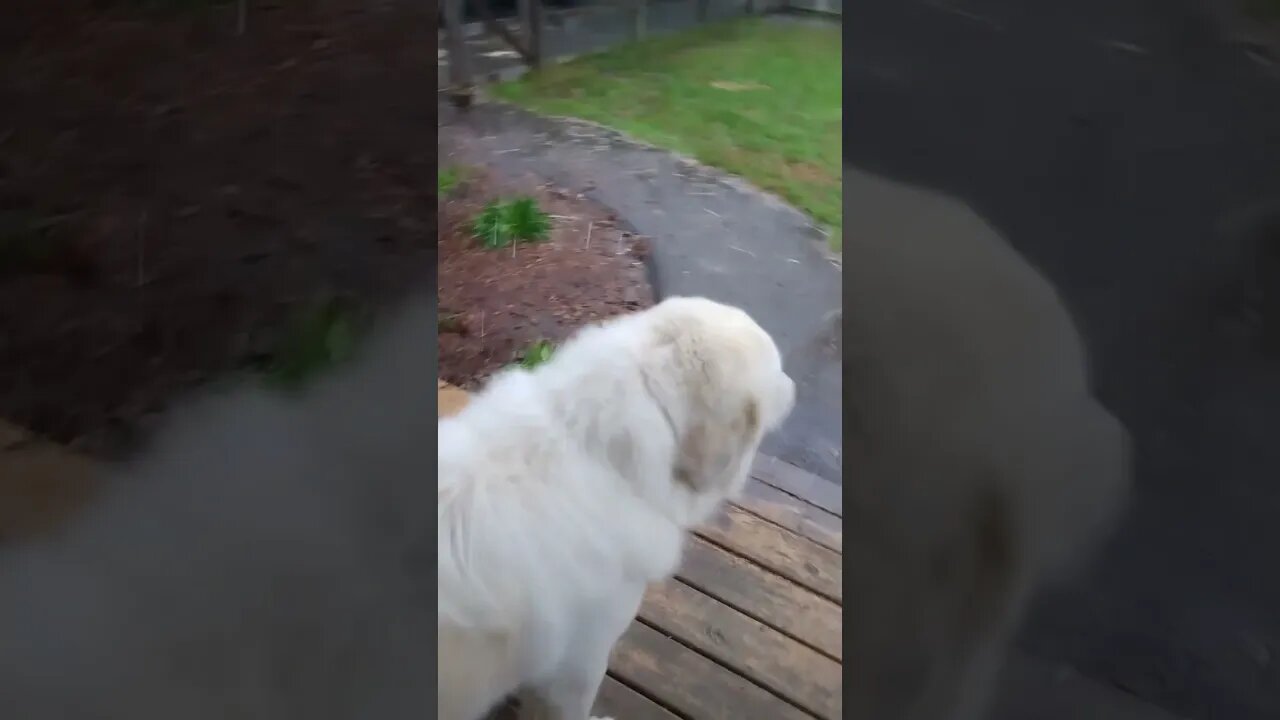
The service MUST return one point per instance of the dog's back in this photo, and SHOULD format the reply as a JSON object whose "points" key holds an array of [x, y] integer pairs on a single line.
{"points": [[981, 463]]}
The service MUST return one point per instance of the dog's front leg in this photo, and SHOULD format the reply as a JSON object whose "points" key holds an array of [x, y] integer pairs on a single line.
{"points": [[569, 697], [572, 692]]}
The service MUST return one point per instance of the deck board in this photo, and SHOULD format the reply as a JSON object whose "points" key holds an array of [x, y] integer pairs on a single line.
{"points": [[799, 517], [692, 684], [777, 549], [806, 487], [758, 593], [621, 702], [787, 668]]}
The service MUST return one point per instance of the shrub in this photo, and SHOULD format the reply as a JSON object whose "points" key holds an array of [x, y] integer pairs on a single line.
{"points": [[506, 223]]}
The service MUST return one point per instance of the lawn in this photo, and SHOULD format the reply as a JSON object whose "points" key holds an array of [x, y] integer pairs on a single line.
{"points": [[757, 98]]}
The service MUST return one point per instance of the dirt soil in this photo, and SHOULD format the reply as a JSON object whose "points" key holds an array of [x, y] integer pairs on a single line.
{"points": [[170, 192], [495, 303]]}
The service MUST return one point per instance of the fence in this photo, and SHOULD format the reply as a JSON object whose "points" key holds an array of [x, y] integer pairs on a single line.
{"points": [[497, 47]]}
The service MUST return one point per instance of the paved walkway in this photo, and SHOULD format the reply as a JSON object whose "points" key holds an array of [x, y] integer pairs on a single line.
{"points": [[712, 235], [1116, 144]]}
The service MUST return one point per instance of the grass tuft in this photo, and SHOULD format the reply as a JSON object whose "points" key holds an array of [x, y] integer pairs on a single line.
{"points": [[536, 354], [448, 179], [514, 221]]}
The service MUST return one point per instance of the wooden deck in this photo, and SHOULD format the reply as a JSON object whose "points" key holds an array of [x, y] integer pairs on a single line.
{"points": [[750, 626]]}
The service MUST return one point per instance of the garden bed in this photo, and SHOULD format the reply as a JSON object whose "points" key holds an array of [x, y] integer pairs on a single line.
{"points": [[498, 305], [172, 195]]}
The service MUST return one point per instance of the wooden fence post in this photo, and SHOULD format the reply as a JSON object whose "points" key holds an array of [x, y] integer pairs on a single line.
{"points": [[640, 27], [459, 62], [531, 17]]}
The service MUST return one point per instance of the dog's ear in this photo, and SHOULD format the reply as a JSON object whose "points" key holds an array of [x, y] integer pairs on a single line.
{"points": [[715, 419], [716, 446]]}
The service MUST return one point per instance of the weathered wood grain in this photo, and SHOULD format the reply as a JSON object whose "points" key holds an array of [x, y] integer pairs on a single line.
{"points": [[803, 485], [691, 684], [758, 593], [750, 648], [793, 514], [621, 702], [782, 551]]}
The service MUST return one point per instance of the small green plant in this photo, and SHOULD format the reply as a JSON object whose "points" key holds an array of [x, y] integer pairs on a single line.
{"points": [[536, 354], [319, 337], [515, 221], [447, 179]]}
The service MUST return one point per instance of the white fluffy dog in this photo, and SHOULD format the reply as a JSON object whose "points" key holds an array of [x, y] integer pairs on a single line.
{"points": [[982, 465], [270, 558], [565, 490]]}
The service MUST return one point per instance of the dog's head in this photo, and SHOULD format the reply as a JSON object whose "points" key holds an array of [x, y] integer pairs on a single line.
{"points": [[717, 377]]}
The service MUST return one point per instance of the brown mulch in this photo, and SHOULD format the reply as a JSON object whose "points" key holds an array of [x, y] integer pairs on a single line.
{"points": [[495, 303], [189, 188]]}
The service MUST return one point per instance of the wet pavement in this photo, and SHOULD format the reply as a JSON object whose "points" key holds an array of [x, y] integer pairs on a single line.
{"points": [[1124, 147]]}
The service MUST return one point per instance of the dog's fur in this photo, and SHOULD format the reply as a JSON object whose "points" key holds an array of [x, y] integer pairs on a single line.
{"points": [[981, 464], [269, 558], [565, 490]]}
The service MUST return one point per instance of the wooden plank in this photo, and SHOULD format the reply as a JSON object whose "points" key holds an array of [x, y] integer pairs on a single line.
{"points": [[768, 658], [690, 684], [619, 701], [760, 594], [42, 484], [794, 481], [778, 549], [449, 399], [793, 514]]}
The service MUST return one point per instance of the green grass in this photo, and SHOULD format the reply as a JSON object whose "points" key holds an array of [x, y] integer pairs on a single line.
{"points": [[536, 354], [447, 179], [759, 99], [513, 221]]}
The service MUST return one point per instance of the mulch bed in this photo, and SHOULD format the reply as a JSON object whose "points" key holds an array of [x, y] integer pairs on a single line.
{"points": [[495, 303], [171, 192]]}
